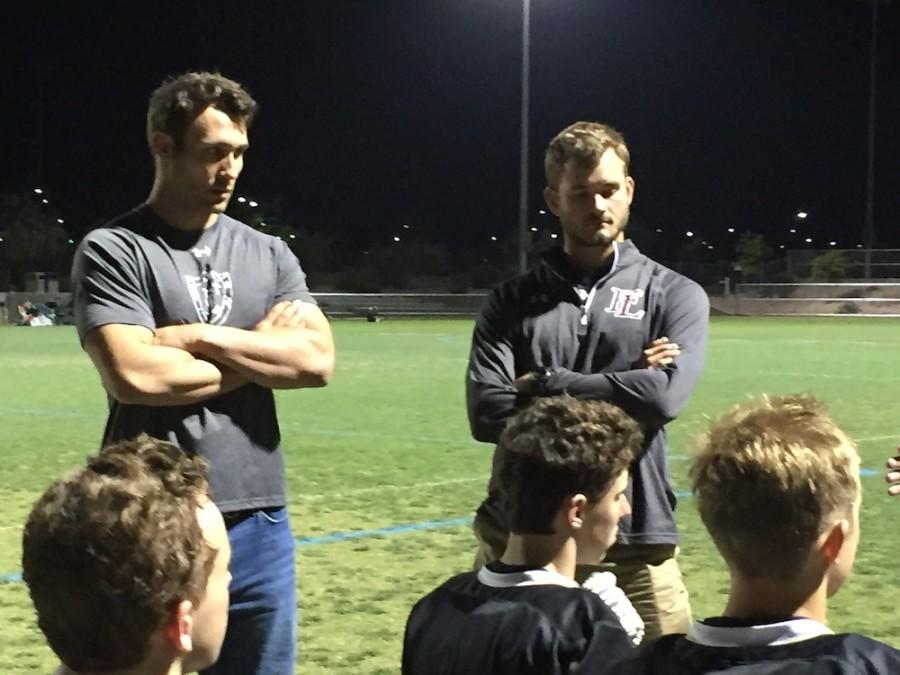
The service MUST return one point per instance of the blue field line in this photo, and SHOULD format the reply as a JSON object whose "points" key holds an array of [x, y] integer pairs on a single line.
{"points": [[392, 530]]}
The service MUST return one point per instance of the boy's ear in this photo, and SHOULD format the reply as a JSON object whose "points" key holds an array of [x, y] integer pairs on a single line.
{"points": [[573, 505], [179, 627], [833, 542]]}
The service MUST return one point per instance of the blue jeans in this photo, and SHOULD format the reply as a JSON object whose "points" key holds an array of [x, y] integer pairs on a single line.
{"points": [[262, 622]]}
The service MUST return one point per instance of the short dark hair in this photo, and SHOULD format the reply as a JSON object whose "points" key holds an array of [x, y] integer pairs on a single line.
{"points": [[560, 446], [110, 550], [582, 143], [180, 100]]}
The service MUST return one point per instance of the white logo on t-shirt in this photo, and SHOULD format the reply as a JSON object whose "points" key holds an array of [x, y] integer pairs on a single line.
{"points": [[212, 294]]}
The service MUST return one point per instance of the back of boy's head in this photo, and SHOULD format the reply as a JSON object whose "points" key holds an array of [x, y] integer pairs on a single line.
{"points": [[561, 446], [109, 550], [771, 476]]}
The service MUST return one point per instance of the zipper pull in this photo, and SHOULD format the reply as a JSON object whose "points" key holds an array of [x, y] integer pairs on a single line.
{"points": [[583, 296]]}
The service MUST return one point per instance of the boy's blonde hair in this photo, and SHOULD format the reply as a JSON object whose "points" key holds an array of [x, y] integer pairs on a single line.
{"points": [[769, 478]]}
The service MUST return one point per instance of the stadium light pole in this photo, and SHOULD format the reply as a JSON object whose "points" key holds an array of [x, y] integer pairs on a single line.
{"points": [[523, 149], [869, 226]]}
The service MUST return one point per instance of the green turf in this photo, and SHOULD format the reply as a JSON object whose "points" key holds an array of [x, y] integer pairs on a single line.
{"points": [[387, 443]]}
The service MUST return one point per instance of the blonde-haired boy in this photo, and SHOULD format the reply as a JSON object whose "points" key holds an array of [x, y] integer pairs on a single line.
{"points": [[777, 486]]}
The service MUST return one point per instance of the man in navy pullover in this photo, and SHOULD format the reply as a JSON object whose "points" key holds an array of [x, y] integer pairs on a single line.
{"points": [[597, 319]]}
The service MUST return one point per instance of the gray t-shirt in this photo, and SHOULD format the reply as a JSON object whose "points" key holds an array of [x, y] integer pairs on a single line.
{"points": [[138, 270]]}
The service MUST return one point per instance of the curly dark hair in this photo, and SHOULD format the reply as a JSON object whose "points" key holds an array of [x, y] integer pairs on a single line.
{"points": [[180, 100], [110, 550], [561, 446]]}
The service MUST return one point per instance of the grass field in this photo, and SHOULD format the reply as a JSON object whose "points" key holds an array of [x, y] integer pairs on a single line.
{"points": [[387, 445]]}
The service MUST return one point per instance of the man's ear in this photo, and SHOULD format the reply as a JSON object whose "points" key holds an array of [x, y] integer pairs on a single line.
{"points": [[161, 144], [833, 542], [551, 198], [629, 188], [179, 627]]}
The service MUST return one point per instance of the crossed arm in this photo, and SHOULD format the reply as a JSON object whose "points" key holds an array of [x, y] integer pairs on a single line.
{"points": [[291, 347], [653, 391]]}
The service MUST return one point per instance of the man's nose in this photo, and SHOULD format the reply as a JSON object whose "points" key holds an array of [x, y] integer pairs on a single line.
{"points": [[230, 166]]}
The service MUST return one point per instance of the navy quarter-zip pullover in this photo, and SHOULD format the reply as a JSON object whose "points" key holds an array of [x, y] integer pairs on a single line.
{"points": [[592, 336]]}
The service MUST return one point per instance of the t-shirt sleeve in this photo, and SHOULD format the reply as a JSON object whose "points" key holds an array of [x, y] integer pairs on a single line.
{"points": [[291, 278], [107, 283]]}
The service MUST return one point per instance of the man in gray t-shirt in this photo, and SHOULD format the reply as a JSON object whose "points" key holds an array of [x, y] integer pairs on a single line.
{"points": [[192, 319]]}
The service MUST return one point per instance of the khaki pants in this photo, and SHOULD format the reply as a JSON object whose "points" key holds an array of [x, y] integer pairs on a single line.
{"points": [[647, 573]]}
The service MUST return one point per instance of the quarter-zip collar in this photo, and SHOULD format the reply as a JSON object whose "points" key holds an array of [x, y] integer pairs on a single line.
{"points": [[559, 266]]}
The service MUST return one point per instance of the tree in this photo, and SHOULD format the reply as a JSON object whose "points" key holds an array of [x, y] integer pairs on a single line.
{"points": [[314, 250], [828, 266], [33, 238], [753, 254]]}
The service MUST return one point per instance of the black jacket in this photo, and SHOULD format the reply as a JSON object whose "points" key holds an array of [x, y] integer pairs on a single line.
{"points": [[592, 336]]}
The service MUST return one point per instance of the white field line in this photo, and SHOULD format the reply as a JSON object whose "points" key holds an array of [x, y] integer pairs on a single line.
{"points": [[818, 376], [375, 489], [805, 341]]}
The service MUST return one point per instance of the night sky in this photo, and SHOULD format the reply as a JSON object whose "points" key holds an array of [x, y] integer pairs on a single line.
{"points": [[379, 113]]}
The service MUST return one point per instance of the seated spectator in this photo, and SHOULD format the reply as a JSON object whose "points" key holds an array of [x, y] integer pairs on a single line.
{"points": [[563, 471], [127, 561], [777, 486]]}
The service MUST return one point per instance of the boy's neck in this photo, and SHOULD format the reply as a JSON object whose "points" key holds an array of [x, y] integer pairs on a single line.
{"points": [[550, 551], [767, 599], [142, 669]]}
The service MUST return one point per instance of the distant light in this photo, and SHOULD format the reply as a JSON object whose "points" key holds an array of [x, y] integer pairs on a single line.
{"points": [[241, 200], [793, 231], [782, 246], [802, 215], [293, 236], [1, 240], [808, 240], [689, 233], [731, 230], [658, 230], [60, 221], [396, 238], [71, 241], [253, 204], [534, 229], [542, 212], [262, 224], [406, 227], [832, 243], [38, 191], [45, 201], [553, 236], [493, 238], [710, 247], [859, 246]]}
